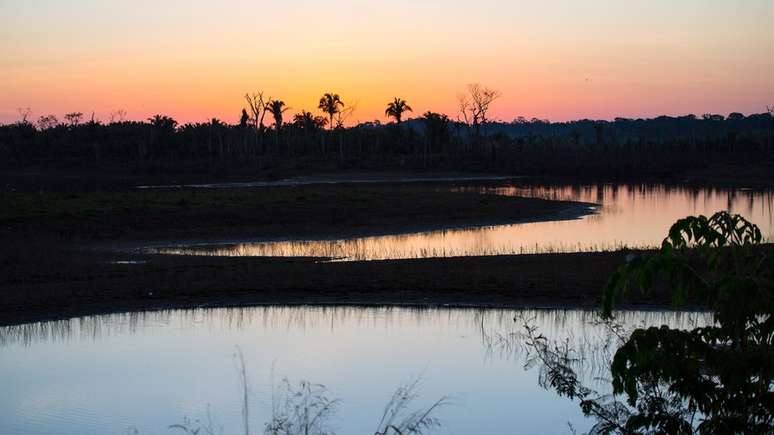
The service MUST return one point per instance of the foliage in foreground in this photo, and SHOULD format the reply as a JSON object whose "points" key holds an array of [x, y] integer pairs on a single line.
{"points": [[714, 379]]}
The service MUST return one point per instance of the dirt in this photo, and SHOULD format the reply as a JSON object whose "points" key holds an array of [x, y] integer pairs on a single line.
{"points": [[89, 283]]}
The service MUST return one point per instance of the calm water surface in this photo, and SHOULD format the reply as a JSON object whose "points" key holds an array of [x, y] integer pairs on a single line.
{"points": [[117, 373], [635, 216]]}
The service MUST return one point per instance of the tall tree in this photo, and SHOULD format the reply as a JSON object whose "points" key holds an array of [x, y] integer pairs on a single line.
{"points": [[331, 105], [397, 108], [276, 108], [474, 105], [257, 105]]}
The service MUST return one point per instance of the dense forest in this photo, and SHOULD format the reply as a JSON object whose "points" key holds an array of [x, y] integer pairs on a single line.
{"points": [[432, 141]]}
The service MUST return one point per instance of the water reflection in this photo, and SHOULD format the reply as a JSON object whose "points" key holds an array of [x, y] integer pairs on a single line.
{"points": [[634, 216], [102, 374], [487, 323]]}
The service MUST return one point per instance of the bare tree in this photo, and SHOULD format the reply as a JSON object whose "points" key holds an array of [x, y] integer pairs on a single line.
{"points": [[117, 116], [24, 113], [258, 105], [770, 110], [345, 113], [474, 105]]}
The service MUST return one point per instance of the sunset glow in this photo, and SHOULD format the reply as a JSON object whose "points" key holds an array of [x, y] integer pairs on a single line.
{"points": [[195, 59]]}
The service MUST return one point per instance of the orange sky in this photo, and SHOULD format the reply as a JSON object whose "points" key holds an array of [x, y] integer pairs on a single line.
{"points": [[562, 60]]}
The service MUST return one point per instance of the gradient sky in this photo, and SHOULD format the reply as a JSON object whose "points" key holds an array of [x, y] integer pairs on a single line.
{"points": [[561, 59]]}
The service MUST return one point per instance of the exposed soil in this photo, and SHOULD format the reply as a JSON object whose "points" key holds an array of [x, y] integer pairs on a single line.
{"points": [[53, 261], [89, 284], [295, 211]]}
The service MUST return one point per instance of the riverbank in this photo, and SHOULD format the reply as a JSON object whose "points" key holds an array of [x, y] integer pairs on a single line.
{"points": [[35, 179], [92, 283], [60, 251], [70, 253], [253, 213]]}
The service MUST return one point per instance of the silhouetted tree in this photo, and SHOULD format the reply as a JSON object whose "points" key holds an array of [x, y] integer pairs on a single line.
{"points": [[735, 116], [244, 119], [396, 108], [331, 105], [117, 116], [636, 147], [308, 122], [74, 118], [48, 121], [163, 122], [436, 131], [474, 105], [24, 113], [276, 108], [257, 105]]}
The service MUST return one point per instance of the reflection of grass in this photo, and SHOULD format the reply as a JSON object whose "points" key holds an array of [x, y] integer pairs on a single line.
{"points": [[306, 409], [383, 248]]}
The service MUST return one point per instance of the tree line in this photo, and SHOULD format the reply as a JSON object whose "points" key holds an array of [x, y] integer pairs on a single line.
{"points": [[264, 139]]}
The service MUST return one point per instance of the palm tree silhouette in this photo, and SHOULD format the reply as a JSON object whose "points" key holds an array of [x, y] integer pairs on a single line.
{"points": [[307, 121], [277, 108], [331, 104], [396, 109]]}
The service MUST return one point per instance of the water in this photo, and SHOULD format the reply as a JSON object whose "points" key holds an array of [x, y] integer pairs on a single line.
{"points": [[116, 373], [635, 216]]}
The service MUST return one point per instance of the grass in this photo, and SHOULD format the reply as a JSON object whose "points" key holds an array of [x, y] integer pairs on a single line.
{"points": [[251, 212], [307, 409], [24, 205]]}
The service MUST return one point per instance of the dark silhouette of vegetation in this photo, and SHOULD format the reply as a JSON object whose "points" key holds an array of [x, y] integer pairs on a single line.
{"points": [[396, 109], [306, 121], [244, 119], [708, 380], [257, 105], [74, 118], [277, 108], [474, 105], [331, 105], [663, 146]]}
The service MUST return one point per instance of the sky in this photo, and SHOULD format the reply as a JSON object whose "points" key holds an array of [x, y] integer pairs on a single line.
{"points": [[553, 59]]}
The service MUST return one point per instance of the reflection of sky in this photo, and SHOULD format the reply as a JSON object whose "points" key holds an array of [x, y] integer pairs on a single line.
{"points": [[633, 216], [103, 374]]}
